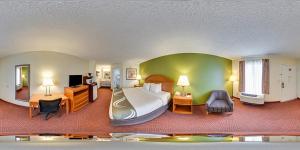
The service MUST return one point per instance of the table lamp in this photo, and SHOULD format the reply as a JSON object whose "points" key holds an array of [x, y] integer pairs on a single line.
{"points": [[183, 81], [139, 77], [47, 82]]}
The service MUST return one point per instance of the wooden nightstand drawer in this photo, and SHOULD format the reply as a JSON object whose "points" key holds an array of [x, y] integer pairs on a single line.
{"points": [[183, 101]]}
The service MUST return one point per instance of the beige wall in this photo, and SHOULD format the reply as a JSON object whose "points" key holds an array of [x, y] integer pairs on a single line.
{"points": [[92, 69], [275, 71], [57, 65]]}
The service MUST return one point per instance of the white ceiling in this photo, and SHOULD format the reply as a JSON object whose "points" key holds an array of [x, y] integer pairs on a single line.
{"points": [[113, 31]]}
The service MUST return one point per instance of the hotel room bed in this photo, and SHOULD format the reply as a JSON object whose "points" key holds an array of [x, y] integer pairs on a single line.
{"points": [[131, 106]]}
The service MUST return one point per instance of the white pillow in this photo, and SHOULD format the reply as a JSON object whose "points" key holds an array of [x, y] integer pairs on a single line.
{"points": [[155, 88], [146, 86]]}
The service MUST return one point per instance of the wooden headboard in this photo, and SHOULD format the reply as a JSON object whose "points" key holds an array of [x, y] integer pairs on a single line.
{"points": [[166, 83]]}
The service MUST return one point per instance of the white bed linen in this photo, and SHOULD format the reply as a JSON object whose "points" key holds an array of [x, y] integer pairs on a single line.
{"points": [[144, 101], [164, 96]]}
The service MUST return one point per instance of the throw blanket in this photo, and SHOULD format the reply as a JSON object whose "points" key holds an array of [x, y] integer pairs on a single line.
{"points": [[121, 107]]}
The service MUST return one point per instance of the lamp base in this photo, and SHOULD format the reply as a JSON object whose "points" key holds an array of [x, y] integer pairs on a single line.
{"points": [[48, 93], [183, 93]]}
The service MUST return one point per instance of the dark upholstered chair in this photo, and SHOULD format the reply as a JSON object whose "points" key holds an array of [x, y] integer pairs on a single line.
{"points": [[48, 107], [219, 101]]}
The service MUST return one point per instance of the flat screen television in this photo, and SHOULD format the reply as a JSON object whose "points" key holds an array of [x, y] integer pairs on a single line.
{"points": [[75, 80]]}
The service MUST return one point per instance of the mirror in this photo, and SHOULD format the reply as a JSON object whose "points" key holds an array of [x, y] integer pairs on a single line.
{"points": [[22, 82]]}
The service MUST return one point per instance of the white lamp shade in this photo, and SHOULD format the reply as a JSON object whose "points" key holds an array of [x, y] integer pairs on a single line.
{"points": [[183, 81], [138, 77], [48, 82]]}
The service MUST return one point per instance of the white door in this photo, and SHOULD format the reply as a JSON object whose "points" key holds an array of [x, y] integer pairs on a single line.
{"points": [[286, 82], [283, 82]]}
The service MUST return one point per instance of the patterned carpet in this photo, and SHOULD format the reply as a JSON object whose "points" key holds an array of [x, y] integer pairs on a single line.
{"points": [[272, 118], [23, 94]]}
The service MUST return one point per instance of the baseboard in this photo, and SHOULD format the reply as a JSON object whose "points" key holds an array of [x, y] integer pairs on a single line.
{"points": [[290, 100], [198, 104]]}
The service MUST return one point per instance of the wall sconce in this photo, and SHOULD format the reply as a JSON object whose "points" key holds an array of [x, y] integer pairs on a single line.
{"points": [[232, 78]]}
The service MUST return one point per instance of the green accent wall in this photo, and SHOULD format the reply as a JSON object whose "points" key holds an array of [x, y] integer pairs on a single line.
{"points": [[25, 74], [205, 72]]}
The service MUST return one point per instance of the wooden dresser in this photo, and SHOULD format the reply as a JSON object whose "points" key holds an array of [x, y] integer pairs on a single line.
{"points": [[78, 97]]}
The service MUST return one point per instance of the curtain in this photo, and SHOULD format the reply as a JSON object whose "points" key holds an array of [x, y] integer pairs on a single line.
{"points": [[253, 76], [242, 76], [265, 76]]}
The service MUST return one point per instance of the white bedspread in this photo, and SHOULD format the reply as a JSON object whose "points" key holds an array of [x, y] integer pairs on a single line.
{"points": [[144, 101], [164, 96]]}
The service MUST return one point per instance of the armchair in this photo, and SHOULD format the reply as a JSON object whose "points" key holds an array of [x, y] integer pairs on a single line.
{"points": [[219, 101]]}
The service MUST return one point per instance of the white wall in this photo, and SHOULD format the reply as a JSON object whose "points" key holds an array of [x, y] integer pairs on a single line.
{"points": [[275, 84], [57, 65], [130, 64], [92, 68], [298, 78]]}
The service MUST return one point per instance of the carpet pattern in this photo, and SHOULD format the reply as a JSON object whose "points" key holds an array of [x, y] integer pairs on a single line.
{"points": [[271, 119], [23, 93]]}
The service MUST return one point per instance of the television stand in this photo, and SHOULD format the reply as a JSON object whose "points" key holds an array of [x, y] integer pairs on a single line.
{"points": [[78, 97], [75, 86]]}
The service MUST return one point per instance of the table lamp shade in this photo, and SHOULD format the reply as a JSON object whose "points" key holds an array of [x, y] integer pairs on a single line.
{"points": [[138, 77], [183, 81], [48, 82]]}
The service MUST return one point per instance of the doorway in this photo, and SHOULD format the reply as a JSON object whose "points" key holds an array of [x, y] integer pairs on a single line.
{"points": [[22, 82], [116, 77], [103, 74], [286, 79]]}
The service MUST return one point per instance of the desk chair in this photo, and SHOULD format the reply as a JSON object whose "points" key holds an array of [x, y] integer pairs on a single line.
{"points": [[49, 107]]}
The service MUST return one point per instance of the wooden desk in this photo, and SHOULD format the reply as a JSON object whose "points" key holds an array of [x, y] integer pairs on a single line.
{"points": [[34, 101]]}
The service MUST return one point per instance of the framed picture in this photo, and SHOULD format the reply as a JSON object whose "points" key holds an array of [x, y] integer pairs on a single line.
{"points": [[131, 73], [106, 75], [97, 73]]}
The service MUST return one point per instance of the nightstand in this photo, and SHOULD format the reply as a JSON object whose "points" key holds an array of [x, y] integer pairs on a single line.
{"points": [[183, 104], [138, 85]]}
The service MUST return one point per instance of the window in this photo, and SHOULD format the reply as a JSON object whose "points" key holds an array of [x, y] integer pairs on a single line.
{"points": [[253, 76]]}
